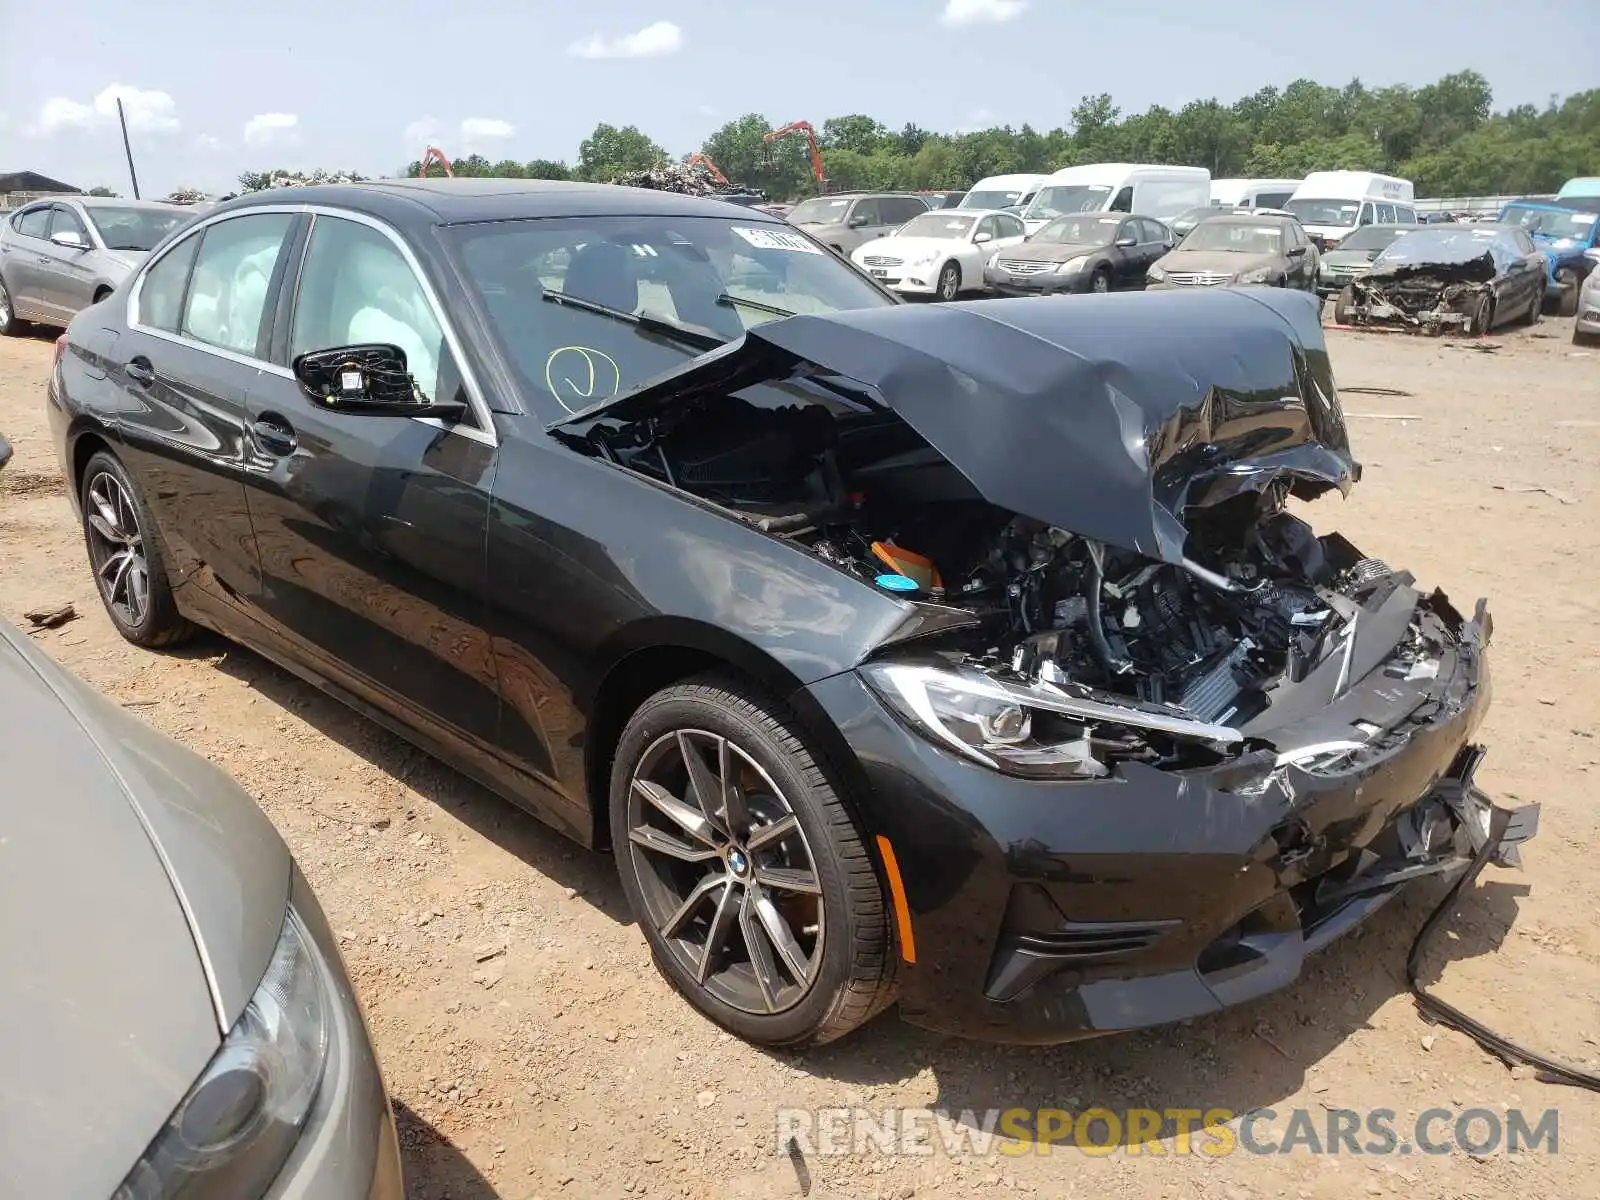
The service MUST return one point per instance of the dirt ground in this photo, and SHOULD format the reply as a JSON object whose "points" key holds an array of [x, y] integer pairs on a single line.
{"points": [[564, 1066]]}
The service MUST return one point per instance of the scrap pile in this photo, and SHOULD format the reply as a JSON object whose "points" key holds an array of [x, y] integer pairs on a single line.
{"points": [[692, 180]]}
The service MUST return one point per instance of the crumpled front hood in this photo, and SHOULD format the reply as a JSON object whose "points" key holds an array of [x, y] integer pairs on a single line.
{"points": [[1476, 269], [1107, 417]]}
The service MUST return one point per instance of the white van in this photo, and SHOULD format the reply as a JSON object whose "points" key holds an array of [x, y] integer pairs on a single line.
{"points": [[1002, 191], [1329, 204], [1148, 190], [1252, 193]]}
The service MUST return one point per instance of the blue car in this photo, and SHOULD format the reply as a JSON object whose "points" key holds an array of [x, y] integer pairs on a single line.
{"points": [[1562, 234]]}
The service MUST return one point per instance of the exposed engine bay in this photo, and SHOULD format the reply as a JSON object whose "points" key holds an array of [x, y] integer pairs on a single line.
{"points": [[1430, 297], [1193, 649]]}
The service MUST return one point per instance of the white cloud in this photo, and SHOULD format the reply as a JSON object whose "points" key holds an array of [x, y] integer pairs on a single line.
{"points": [[960, 13], [271, 129], [707, 110], [208, 143], [147, 112], [662, 37], [424, 131], [486, 129], [977, 121]]}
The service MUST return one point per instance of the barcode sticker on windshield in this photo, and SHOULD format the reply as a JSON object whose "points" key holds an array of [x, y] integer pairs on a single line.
{"points": [[776, 239]]}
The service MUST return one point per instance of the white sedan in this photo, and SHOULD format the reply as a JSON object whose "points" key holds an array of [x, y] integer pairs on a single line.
{"points": [[939, 253]]}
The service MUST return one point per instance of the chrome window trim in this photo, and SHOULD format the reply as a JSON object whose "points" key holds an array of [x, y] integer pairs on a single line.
{"points": [[480, 408]]}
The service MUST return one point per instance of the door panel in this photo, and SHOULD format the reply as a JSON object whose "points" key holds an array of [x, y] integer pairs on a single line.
{"points": [[24, 258], [69, 275], [371, 538], [371, 528]]}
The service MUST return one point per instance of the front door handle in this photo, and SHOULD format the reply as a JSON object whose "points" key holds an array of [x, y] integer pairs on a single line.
{"points": [[274, 435], [140, 371]]}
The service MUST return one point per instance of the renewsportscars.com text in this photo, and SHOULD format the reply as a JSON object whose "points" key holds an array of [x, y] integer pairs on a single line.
{"points": [[1213, 1131]]}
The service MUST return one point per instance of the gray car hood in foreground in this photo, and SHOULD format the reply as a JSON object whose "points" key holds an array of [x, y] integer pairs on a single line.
{"points": [[1107, 415], [107, 1014]]}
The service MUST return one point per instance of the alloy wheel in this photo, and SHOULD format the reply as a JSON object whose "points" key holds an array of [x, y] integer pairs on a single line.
{"points": [[116, 549], [725, 872], [949, 282], [1100, 283], [5, 308]]}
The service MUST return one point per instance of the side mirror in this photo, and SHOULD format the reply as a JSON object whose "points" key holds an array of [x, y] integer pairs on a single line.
{"points": [[5, 450], [1124, 243], [367, 380], [859, 221], [980, 238], [70, 238]]}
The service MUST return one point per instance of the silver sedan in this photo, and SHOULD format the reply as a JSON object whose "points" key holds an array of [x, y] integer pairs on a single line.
{"points": [[61, 255], [175, 1019]]}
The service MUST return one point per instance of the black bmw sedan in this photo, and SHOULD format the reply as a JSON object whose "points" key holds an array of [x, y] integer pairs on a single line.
{"points": [[964, 656]]}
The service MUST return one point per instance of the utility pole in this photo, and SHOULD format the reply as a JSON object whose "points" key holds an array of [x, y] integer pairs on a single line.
{"points": [[127, 149]]}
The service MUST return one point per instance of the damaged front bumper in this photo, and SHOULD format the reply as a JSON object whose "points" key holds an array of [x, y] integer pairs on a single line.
{"points": [[1045, 912], [1454, 306]]}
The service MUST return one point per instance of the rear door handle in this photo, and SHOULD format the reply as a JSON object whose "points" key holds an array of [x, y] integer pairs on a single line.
{"points": [[140, 371], [274, 435]]}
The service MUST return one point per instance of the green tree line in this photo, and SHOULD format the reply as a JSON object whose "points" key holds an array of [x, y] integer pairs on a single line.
{"points": [[1444, 136]]}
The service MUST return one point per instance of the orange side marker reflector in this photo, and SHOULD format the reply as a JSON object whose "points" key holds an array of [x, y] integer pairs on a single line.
{"points": [[897, 895]]}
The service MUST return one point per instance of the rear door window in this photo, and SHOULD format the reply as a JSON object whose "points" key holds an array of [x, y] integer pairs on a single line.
{"points": [[33, 222], [232, 281]]}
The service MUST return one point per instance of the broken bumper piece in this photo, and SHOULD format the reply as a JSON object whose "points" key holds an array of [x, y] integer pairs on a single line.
{"points": [[1047, 912]]}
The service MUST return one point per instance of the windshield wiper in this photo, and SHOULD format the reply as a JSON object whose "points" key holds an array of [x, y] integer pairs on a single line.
{"points": [[728, 300], [684, 335]]}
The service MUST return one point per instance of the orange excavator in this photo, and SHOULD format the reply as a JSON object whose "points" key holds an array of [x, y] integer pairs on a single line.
{"points": [[698, 159], [435, 155], [804, 127]]}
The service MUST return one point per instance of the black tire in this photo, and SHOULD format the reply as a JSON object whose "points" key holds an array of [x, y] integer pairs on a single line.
{"points": [[848, 975], [153, 620], [1567, 306], [1481, 319], [1580, 338], [949, 284], [1100, 281], [1534, 313], [1342, 306], [11, 325]]}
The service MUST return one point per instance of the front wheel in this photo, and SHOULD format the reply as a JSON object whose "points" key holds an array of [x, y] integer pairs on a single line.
{"points": [[744, 868], [1100, 281], [1342, 306], [949, 285], [1567, 306], [1481, 317]]}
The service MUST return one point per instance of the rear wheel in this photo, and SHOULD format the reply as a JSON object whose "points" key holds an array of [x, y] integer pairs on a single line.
{"points": [[11, 325], [949, 286], [127, 564], [744, 869], [1567, 306]]}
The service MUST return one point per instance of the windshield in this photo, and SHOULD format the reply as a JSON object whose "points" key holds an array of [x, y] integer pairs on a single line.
{"points": [[134, 228], [1549, 223], [993, 199], [937, 225], [1241, 239], [716, 275], [1069, 198], [1449, 244], [1087, 231], [819, 211], [1373, 237], [1339, 213]]}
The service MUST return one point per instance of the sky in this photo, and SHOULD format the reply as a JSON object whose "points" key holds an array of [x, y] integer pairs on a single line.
{"points": [[213, 89]]}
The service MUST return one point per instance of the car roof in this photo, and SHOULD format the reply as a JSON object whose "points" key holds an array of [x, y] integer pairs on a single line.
{"points": [[114, 202], [458, 201]]}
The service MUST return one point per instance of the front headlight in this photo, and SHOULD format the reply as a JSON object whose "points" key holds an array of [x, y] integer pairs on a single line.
{"points": [[1156, 273], [994, 259], [1073, 265], [231, 1134], [1257, 276]]}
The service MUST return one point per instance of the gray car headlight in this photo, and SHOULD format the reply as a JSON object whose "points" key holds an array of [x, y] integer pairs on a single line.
{"points": [[1259, 275], [967, 713], [232, 1133], [1073, 265]]}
